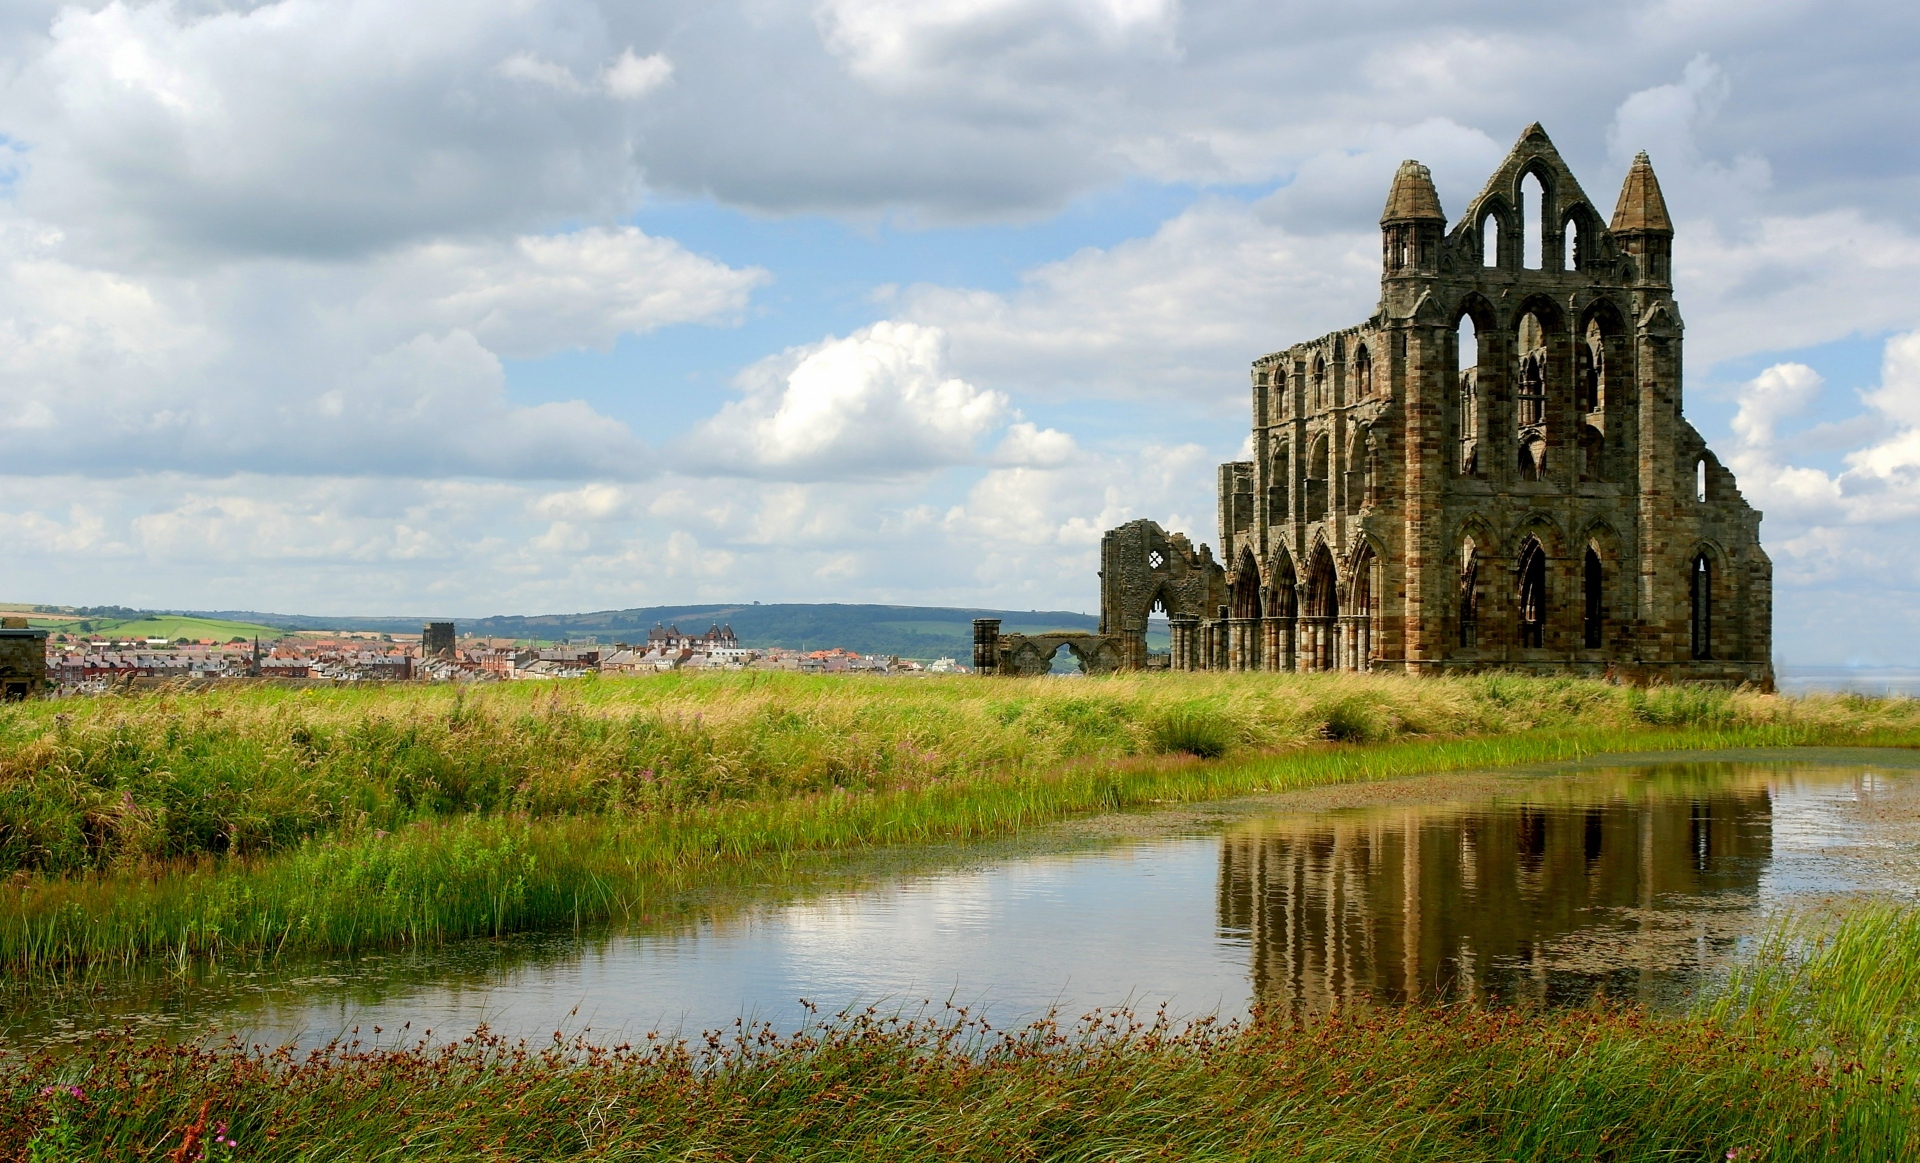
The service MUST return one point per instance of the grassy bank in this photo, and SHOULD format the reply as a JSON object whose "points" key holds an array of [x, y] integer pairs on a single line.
{"points": [[1807, 1056], [271, 821]]}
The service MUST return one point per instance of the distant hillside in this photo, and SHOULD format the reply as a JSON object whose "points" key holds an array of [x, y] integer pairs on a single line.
{"points": [[146, 625], [909, 631]]}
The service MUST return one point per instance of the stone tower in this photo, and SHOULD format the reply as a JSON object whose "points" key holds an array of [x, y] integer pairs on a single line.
{"points": [[1494, 470]]}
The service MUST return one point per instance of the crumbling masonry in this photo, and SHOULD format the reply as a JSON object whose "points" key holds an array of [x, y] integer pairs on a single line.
{"points": [[1491, 472]]}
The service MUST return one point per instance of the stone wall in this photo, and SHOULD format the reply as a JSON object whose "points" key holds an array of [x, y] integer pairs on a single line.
{"points": [[23, 663]]}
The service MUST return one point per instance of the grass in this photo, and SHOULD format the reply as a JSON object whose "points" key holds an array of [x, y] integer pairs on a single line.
{"points": [[1805, 1056], [168, 626], [191, 825]]}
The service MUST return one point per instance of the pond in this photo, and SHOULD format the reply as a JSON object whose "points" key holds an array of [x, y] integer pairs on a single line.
{"points": [[1633, 878]]}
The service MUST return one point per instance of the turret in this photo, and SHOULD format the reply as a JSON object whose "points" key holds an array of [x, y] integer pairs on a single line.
{"points": [[1641, 225], [1412, 223]]}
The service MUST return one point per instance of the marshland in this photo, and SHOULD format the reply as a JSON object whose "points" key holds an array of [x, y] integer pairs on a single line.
{"points": [[1267, 895]]}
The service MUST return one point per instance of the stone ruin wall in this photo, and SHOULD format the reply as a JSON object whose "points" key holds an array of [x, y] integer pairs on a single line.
{"points": [[1538, 503]]}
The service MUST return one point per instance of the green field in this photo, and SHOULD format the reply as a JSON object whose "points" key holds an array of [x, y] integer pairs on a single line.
{"points": [[168, 626]]}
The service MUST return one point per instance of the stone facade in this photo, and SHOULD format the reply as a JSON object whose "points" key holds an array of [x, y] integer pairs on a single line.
{"points": [[23, 661], [1492, 471], [437, 640]]}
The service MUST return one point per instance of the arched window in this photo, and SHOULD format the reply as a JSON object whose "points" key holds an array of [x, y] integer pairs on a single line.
{"points": [[1533, 206], [1701, 591], [1279, 471], [1572, 236], [1469, 594], [1363, 374], [1533, 594], [1595, 621], [1246, 588], [1700, 480], [1593, 454], [1490, 240], [1317, 471], [1467, 358], [1319, 384]]}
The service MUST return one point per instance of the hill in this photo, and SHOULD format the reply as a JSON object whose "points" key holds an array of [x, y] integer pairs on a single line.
{"points": [[168, 626]]}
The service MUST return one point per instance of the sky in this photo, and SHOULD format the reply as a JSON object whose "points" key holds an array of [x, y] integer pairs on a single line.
{"points": [[524, 306]]}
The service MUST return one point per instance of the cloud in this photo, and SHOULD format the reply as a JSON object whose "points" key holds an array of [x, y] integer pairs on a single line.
{"points": [[392, 365], [632, 77], [323, 128], [879, 401]]}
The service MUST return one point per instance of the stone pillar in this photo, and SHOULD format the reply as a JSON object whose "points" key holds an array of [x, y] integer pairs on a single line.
{"points": [[1240, 643], [986, 645], [1183, 629], [1271, 657]]}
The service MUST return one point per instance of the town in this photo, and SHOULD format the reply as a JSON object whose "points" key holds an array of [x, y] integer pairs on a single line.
{"points": [[78, 663]]}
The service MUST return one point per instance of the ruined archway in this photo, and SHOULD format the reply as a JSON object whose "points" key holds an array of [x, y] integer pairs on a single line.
{"points": [[1320, 647]]}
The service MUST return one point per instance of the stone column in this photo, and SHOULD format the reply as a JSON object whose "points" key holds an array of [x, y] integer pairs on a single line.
{"points": [[986, 645], [1270, 656], [1182, 630]]}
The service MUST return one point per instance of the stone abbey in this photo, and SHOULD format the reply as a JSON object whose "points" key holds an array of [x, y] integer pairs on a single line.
{"points": [[1493, 471]]}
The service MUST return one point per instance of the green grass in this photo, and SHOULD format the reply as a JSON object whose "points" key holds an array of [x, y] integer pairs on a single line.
{"points": [[1747, 1076], [168, 626]]}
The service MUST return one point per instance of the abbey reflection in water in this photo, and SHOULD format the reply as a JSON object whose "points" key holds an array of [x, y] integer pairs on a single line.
{"points": [[1427, 903]]}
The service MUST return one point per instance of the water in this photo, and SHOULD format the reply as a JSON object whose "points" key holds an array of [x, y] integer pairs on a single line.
{"points": [[1544, 885]]}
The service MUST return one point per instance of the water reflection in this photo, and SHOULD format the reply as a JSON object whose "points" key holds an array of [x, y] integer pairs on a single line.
{"points": [[1441, 902]]}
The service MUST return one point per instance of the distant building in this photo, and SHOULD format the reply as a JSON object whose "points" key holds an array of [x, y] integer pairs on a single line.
{"points": [[671, 638], [436, 640]]}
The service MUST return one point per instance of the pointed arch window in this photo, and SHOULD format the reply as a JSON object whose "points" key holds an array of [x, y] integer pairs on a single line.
{"points": [[1591, 584], [1700, 589], [1363, 374], [1533, 221], [1469, 595], [1533, 595], [1467, 349]]}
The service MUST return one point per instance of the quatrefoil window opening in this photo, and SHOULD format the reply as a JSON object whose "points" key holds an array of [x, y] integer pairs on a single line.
{"points": [[1154, 560]]}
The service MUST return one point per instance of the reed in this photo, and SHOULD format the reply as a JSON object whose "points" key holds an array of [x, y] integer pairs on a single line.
{"points": [[479, 875], [1407, 1084], [123, 782]]}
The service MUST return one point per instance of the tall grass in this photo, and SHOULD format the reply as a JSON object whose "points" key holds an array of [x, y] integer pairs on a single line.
{"points": [[118, 782], [1407, 1084], [480, 876], [270, 821]]}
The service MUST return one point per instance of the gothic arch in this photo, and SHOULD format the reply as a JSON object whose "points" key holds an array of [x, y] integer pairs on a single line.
{"points": [[1542, 528], [1323, 582], [1552, 316], [1283, 585], [1602, 596], [1244, 590], [1501, 212], [1588, 231], [1533, 577]]}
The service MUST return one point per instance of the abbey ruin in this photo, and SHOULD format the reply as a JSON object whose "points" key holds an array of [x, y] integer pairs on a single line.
{"points": [[1493, 471]]}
